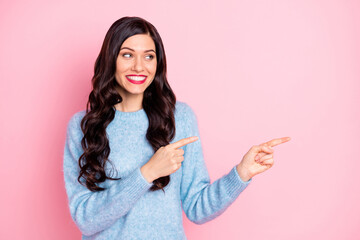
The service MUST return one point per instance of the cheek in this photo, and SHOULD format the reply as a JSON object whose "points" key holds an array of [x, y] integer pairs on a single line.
{"points": [[122, 67], [152, 68]]}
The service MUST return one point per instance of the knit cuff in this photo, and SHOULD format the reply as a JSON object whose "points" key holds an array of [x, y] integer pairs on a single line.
{"points": [[135, 184], [141, 179], [237, 174], [235, 185]]}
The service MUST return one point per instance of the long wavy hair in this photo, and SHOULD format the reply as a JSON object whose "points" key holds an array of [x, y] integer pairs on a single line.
{"points": [[158, 103]]}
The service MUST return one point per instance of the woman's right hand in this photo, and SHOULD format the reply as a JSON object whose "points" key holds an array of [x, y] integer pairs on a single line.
{"points": [[166, 160]]}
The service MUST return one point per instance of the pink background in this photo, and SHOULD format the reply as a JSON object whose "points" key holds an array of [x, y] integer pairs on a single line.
{"points": [[251, 70]]}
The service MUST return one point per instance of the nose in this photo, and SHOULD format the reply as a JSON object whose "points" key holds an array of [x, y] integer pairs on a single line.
{"points": [[138, 64]]}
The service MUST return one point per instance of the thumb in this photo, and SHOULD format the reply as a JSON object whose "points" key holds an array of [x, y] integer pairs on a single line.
{"points": [[261, 148]]}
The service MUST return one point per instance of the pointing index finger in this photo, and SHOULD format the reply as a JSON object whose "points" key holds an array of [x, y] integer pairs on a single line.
{"points": [[277, 141], [183, 142]]}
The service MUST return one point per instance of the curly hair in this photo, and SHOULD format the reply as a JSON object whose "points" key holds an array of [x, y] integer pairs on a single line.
{"points": [[158, 103]]}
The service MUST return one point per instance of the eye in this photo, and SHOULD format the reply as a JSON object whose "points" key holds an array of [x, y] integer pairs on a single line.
{"points": [[150, 56], [126, 54]]}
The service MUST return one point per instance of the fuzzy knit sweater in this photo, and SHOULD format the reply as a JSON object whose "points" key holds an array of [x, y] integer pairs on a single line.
{"points": [[127, 209]]}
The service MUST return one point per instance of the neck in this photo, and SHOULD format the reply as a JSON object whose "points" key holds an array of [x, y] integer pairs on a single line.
{"points": [[130, 102]]}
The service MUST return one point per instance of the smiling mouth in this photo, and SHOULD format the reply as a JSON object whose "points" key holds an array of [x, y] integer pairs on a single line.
{"points": [[136, 79]]}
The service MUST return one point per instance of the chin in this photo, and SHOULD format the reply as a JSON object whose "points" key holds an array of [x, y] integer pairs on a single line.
{"points": [[136, 92]]}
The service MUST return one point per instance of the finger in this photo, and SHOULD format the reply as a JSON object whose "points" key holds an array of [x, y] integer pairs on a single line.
{"points": [[268, 162], [267, 166], [276, 141], [179, 159], [267, 156], [260, 150], [183, 142], [267, 149], [259, 156], [179, 152]]}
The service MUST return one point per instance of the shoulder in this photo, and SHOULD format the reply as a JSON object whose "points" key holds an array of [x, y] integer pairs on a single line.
{"points": [[183, 109], [185, 113], [76, 118], [74, 123], [186, 119]]}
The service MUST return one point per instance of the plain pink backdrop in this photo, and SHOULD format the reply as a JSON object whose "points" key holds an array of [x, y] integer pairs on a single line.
{"points": [[251, 70]]}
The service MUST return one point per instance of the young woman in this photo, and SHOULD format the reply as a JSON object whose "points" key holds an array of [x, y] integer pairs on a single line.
{"points": [[135, 139]]}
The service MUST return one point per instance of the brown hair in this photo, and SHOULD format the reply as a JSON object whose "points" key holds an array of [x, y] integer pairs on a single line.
{"points": [[158, 103]]}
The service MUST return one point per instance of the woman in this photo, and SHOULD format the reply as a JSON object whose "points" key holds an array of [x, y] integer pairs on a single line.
{"points": [[136, 139]]}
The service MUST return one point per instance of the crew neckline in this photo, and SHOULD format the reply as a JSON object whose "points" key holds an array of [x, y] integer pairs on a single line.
{"points": [[130, 114]]}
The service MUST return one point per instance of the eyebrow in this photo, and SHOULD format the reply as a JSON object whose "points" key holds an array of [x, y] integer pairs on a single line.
{"points": [[134, 50]]}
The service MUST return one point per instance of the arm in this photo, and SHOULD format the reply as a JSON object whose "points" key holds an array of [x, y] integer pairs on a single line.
{"points": [[95, 211], [201, 200]]}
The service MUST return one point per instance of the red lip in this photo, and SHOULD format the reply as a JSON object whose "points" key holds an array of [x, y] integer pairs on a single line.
{"points": [[136, 82], [136, 75]]}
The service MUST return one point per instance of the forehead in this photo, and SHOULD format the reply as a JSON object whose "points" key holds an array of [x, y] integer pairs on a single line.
{"points": [[139, 42]]}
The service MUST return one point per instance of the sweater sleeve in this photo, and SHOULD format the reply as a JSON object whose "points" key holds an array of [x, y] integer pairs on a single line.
{"points": [[95, 211], [201, 200]]}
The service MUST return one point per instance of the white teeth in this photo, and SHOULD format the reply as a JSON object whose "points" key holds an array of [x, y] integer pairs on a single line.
{"points": [[136, 78]]}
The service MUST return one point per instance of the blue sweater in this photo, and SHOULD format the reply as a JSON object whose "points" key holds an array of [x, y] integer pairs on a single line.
{"points": [[127, 209]]}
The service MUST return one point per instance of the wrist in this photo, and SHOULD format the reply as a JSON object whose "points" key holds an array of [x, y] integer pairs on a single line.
{"points": [[243, 173], [147, 173]]}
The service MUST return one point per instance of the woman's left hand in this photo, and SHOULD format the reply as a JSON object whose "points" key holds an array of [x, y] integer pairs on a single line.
{"points": [[258, 159]]}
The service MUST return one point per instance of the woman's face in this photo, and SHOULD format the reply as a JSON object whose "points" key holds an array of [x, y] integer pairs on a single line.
{"points": [[136, 65]]}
